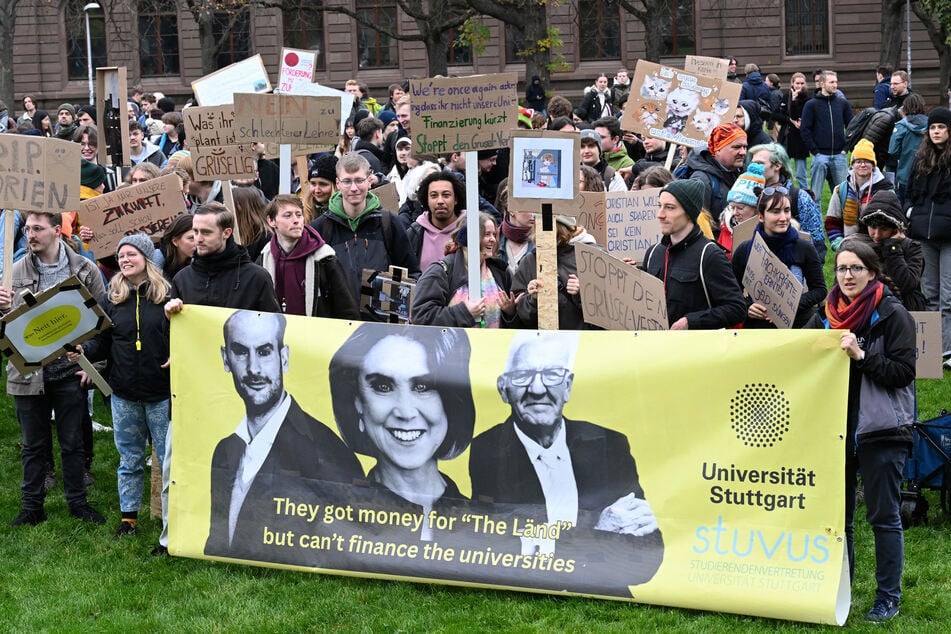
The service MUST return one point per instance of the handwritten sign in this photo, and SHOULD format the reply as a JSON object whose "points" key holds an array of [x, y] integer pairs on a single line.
{"points": [[297, 67], [216, 155], [462, 114], [218, 88], [590, 214], [678, 106], [293, 119], [631, 223], [707, 66], [617, 296], [149, 207], [389, 196], [768, 281], [928, 344], [38, 174]]}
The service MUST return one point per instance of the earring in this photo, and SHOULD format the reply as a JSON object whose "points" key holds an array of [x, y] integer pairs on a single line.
{"points": [[360, 425]]}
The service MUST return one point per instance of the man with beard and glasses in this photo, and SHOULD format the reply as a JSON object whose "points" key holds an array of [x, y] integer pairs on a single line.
{"points": [[276, 451]]}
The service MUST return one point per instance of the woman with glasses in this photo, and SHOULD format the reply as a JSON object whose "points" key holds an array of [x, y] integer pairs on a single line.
{"points": [[878, 335], [776, 229]]}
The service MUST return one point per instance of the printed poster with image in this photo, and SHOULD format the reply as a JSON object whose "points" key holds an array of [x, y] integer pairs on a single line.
{"points": [[677, 106]]}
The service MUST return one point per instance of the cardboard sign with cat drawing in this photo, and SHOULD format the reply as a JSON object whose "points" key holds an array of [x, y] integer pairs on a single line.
{"points": [[677, 106]]}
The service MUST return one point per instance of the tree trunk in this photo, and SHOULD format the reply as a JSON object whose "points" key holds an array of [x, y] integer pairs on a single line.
{"points": [[437, 49], [653, 35], [7, 24], [206, 39], [892, 30], [536, 30], [938, 34]]}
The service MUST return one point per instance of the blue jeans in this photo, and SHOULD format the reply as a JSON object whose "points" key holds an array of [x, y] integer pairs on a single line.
{"points": [[936, 285], [881, 464], [131, 423], [832, 169], [68, 400], [802, 180]]}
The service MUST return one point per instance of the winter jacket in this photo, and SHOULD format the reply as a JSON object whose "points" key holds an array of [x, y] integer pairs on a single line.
{"points": [[618, 159], [929, 199], [326, 287], [423, 232], [754, 88], [904, 143], [882, 92], [705, 168], [807, 213], [135, 371], [27, 277], [591, 104], [791, 110], [806, 268], [150, 154], [535, 95], [823, 124], [570, 314], [687, 291], [753, 123], [843, 220], [228, 279], [881, 405], [439, 283], [366, 242]]}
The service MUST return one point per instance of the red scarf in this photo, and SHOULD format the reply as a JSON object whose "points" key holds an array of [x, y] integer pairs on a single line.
{"points": [[857, 314]]}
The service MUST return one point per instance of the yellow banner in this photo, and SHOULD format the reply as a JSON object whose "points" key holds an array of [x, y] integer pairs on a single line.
{"points": [[699, 470]]}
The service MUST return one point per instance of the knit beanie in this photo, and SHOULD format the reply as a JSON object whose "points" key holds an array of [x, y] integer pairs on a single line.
{"points": [[68, 107], [722, 135], [591, 135], [940, 115], [883, 208], [487, 154], [387, 117], [90, 110], [141, 242], [744, 190], [689, 193], [864, 150], [324, 167], [91, 174]]}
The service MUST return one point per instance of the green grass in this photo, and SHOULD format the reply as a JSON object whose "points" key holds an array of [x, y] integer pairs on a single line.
{"points": [[64, 576]]}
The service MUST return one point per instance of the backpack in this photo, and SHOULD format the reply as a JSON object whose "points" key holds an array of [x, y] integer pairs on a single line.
{"points": [[794, 198], [854, 132]]}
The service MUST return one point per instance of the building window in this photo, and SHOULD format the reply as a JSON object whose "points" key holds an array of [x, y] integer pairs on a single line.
{"points": [[679, 39], [76, 57], [514, 42], [377, 50], [599, 24], [807, 27], [237, 44], [458, 53], [158, 38], [304, 29]]}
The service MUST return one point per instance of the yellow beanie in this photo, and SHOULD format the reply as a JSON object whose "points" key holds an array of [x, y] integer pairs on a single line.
{"points": [[864, 150]]}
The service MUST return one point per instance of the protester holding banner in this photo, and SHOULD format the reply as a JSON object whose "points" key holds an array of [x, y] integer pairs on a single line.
{"points": [[878, 335], [137, 347], [525, 285], [701, 291], [56, 388], [782, 239], [442, 296]]}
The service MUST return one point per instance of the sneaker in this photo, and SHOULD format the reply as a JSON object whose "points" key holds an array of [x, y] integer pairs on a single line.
{"points": [[49, 482], [882, 610], [126, 528], [159, 551], [29, 517], [87, 514], [100, 427], [88, 480]]}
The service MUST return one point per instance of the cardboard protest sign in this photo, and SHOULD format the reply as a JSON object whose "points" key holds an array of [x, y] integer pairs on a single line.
{"points": [[677, 106], [112, 113], [318, 90], [463, 113], [36, 332], [770, 282], [744, 231], [389, 196], [292, 119], [218, 88], [149, 207], [590, 214], [388, 295], [618, 296], [38, 174], [707, 66], [297, 67], [543, 168], [631, 222], [216, 155], [928, 344]]}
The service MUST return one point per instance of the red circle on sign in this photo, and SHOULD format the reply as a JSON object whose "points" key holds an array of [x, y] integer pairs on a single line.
{"points": [[291, 59]]}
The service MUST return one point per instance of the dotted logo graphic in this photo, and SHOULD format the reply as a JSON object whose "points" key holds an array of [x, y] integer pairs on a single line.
{"points": [[759, 414]]}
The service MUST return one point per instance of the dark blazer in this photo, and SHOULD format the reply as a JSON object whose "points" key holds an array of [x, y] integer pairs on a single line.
{"points": [[307, 463], [504, 483]]}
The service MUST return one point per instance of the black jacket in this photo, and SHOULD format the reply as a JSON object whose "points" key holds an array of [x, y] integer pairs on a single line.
{"points": [[134, 374], [791, 110], [570, 315], [440, 282], [823, 124], [228, 279], [678, 266], [705, 168], [929, 197]]}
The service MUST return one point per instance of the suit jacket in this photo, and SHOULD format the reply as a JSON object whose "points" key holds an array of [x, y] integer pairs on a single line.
{"points": [[307, 463], [504, 483]]}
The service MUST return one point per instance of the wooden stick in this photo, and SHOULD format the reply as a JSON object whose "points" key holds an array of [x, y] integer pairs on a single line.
{"points": [[228, 197], [674, 148], [546, 260], [9, 228]]}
